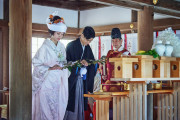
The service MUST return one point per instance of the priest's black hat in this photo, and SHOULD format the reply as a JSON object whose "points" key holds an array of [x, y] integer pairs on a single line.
{"points": [[115, 33]]}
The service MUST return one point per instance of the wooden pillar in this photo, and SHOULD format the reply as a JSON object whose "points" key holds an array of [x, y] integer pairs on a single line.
{"points": [[114, 108], [1, 64], [178, 97], [144, 101], [102, 109], [79, 18], [5, 52], [138, 101], [133, 16], [133, 20], [159, 106], [20, 59], [5, 61], [6, 10], [150, 107], [5, 31], [175, 87], [145, 28], [131, 101]]}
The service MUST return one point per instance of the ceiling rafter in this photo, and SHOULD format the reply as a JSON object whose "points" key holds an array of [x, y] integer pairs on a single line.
{"points": [[117, 3], [69, 4], [168, 7], [169, 4], [58, 4]]}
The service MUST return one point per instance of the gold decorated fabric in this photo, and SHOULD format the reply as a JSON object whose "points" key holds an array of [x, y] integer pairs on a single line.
{"points": [[110, 71], [4, 111]]}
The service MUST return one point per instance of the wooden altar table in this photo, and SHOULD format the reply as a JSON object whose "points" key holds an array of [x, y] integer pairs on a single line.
{"points": [[132, 104]]}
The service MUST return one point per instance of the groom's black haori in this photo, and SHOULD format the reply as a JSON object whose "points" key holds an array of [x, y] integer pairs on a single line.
{"points": [[74, 52]]}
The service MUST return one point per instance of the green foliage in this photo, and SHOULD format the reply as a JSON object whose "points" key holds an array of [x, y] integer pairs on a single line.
{"points": [[150, 52], [70, 66]]}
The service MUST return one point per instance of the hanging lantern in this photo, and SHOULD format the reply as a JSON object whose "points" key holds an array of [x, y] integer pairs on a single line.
{"points": [[131, 26], [155, 2]]}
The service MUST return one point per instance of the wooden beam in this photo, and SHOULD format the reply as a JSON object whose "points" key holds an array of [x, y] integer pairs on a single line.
{"points": [[58, 4], [165, 27], [89, 6], [40, 34], [109, 33], [167, 12], [117, 3], [162, 7], [39, 27], [47, 35], [108, 28], [68, 4], [168, 22], [43, 28], [159, 24], [169, 4], [71, 30]]}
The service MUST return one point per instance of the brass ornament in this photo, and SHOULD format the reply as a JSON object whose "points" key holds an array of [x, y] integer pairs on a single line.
{"points": [[101, 88], [155, 2], [131, 26]]}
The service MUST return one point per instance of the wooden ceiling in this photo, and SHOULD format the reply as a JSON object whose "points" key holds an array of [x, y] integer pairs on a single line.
{"points": [[69, 4], [169, 7]]}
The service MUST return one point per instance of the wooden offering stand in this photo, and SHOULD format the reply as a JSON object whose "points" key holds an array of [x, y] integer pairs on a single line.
{"points": [[136, 103], [123, 67], [175, 68], [161, 68], [143, 68]]}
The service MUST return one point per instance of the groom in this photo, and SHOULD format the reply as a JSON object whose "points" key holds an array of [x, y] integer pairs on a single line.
{"points": [[80, 50]]}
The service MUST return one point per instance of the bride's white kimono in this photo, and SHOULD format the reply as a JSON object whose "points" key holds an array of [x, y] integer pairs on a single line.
{"points": [[49, 87]]}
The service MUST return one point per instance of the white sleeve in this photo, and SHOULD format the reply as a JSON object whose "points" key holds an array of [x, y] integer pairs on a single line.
{"points": [[126, 53], [39, 60], [40, 70]]}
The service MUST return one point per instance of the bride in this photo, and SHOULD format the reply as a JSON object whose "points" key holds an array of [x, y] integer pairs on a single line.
{"points": [[49, 80]]}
